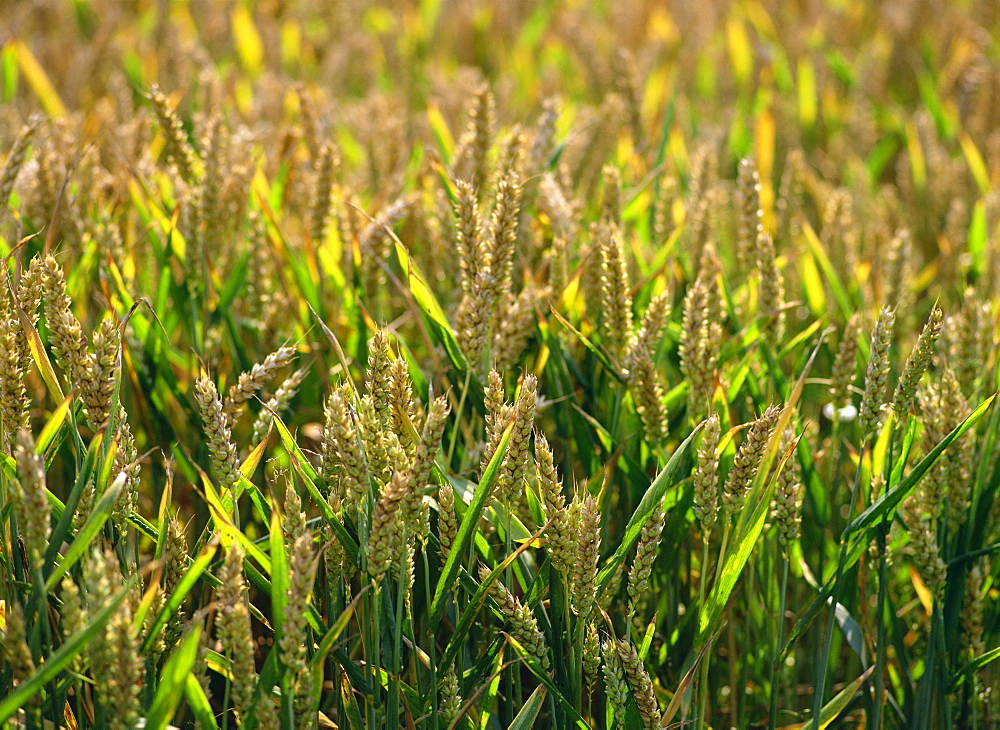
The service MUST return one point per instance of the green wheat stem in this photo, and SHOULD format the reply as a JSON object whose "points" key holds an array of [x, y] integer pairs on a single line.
{"points": [[429, 643], [722, 548], [373, 650], [458, 415], [703, 578], [576, 664], [225, 698], [835, 590], [775, 662], [880, 537], [397, 638], [703, 691], [701, 698]]}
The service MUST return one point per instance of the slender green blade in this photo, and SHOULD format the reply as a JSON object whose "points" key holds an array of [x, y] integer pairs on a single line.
{"points": [[668, 477], [885, 506], [87, 535], [425, 298], [753, 517], [70, 649], [172, 680], [191, 577], [198, 703], [525, 719], [832, 709], [467, 529]]}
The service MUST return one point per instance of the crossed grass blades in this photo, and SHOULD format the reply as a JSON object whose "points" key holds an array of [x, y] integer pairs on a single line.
{"points": [[499, 365]]}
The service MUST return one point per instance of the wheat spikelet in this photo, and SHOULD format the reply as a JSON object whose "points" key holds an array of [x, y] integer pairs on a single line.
{"points": [[72, 615], [178, 148], [926, 553], [402, 408], [787, 512], [516, 327], [772, 288], [471, 156], [468, 234], [844, 367], [234, 631], [615, 684], [554, 202], [498, 414], [386, 523], [650, 330], [29, 497], [522, 620], [645, 555], [292, 642], [878, 371], [451, 700], [747, 460], [583, 584], [916, 363], [748, 212], [417, 513], [591, 656], [253, 380], [971, 616], [543, 142], [15, 648], [628, 84], [13, 395], [221, 449], [701, 334], [502, 233], [647, 392], [611, 200], [342, 460], [616, 301], [447, 520], [510, 479], [327, 162], [15, 159], [706, 479], [114, 655], [100, 385], [641, 684], [276, 405], [65, 333], [474, 323], [378, 375], [789, 191]]}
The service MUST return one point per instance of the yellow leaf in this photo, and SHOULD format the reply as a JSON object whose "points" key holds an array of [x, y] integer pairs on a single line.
{"points": [[917, 164], [658, 88], [37, 80], [440, 129], [40, 357], [661, 27], [813, 285], [764, 146], [976, 165], [69, 717], [291, 42], [243, 95], [807, 92], [248, 43], [922, 591], [740, 51], [52, 426], [760, 19]]}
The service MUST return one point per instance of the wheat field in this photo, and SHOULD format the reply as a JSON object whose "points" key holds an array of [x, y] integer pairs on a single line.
{"points": [[457, 364]]}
